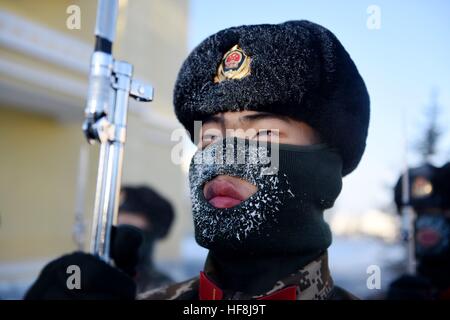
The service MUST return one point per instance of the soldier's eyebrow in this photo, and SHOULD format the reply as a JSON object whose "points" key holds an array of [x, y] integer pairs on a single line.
{"points": [[262, 116], [215, 118]]}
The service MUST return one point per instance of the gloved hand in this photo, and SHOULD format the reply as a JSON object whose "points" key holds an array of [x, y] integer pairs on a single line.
{"points": [[98, 280], [409, 287]]}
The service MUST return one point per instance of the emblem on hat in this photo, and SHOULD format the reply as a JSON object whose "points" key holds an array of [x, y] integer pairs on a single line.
{"points": [[235, 64]]}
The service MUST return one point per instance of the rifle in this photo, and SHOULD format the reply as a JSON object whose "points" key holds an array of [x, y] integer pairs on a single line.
{"points": [[111, 83]]}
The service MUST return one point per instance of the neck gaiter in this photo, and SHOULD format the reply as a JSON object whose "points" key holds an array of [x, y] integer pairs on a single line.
{"points": [[432, 235]]}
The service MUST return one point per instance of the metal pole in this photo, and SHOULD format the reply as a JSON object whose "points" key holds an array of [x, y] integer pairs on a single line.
{"points": [[105, 26], [110, 86]]}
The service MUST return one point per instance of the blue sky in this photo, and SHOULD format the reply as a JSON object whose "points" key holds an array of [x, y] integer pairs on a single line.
{"points": [[401, 63]]}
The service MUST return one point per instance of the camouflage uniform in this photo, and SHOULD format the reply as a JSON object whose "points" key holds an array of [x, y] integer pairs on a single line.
{"points": [[312, 282], [149, 278]]}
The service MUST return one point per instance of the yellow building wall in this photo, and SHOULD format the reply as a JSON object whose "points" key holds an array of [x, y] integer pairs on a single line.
{"points": [[39, 153], [38, 171]]}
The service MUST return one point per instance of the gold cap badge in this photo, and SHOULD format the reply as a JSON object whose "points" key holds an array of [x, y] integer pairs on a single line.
{"points": [[235, 64]]}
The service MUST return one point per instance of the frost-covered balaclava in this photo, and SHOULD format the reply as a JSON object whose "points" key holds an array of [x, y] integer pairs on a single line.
{"points": [[285, 215]]}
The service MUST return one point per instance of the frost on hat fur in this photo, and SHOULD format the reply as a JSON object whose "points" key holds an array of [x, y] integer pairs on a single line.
{"points": [[298, 69]]}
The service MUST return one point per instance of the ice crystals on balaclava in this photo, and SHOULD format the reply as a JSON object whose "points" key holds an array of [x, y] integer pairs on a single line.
{"points": [[247, 160]]}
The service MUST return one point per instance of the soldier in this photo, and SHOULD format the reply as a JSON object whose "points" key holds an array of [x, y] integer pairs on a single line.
{"points": [[430, 199], [289, 93], [145, 209]]}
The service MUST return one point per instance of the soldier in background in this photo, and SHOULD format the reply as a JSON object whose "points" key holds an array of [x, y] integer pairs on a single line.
{"points": [[145, 209], [430, 199]]}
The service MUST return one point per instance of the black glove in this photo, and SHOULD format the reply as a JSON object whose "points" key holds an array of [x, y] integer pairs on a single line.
{"points": [[408, 287], [98, 280]]}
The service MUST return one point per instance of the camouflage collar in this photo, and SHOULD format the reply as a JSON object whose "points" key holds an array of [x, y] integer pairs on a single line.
{"points": [[312, 282]]}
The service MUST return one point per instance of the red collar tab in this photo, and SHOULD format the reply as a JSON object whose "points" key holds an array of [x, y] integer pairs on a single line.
{"points": [[208, 290], [288, 293], [445, 294]]}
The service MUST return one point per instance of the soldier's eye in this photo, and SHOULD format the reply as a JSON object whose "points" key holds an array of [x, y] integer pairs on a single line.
{"points": [[266, 134], [208, 139]]}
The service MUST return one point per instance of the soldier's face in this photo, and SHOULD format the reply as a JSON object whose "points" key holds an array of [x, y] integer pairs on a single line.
{"points": [[226, 191], [133, 219]]}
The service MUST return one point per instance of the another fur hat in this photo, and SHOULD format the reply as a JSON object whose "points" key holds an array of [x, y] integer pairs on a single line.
{"points": [[146, 201]]}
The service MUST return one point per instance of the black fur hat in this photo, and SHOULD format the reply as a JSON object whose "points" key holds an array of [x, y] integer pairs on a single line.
{"points": [[297, 68], [146, 201]]}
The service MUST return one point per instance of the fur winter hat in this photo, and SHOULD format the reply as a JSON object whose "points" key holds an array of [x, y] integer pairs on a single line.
{"points": [[297, 68]]}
